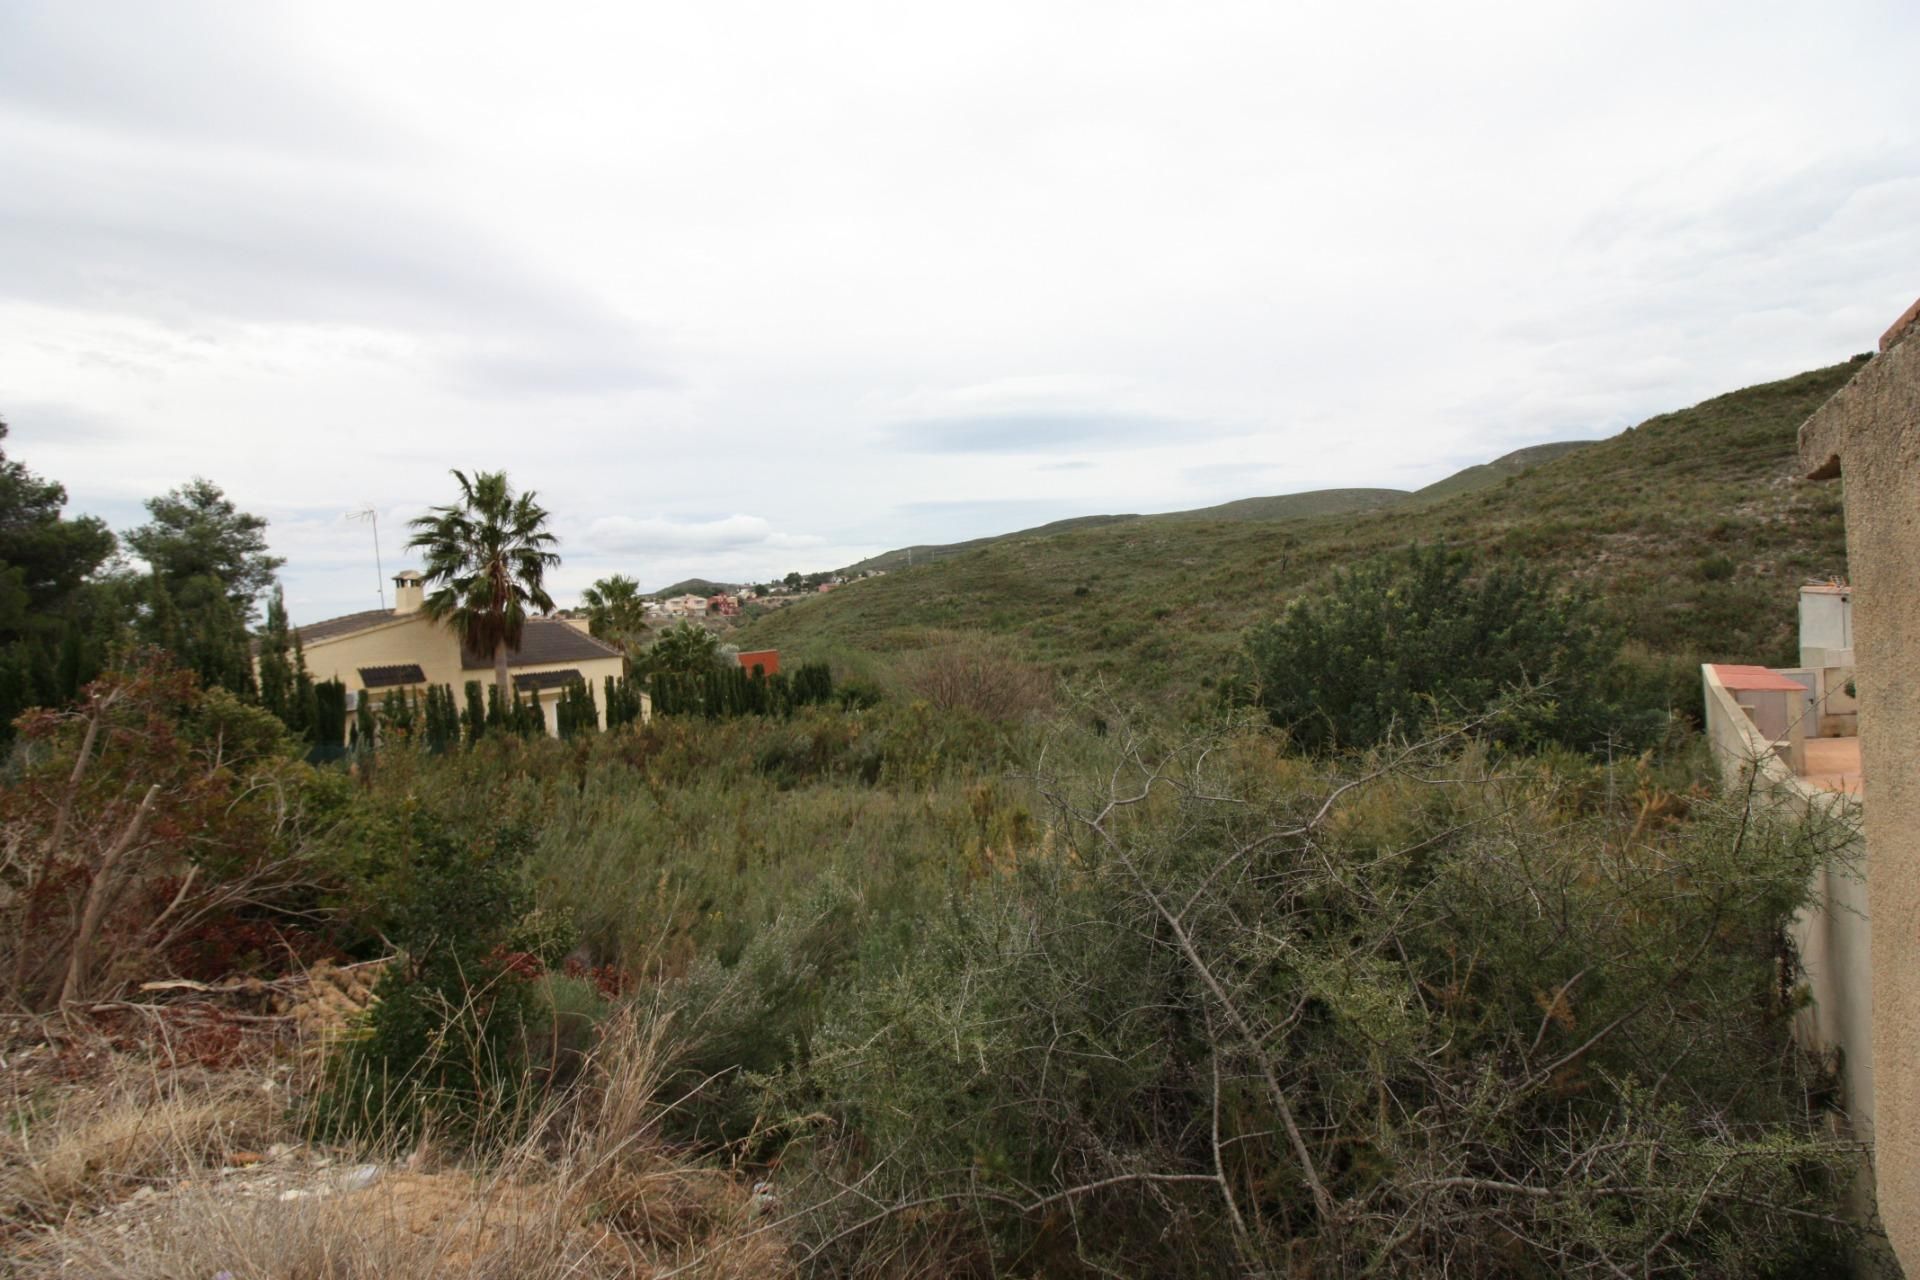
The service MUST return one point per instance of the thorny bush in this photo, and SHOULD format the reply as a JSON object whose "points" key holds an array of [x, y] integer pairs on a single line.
{"points": [[135, 821], [1409, 1014]]}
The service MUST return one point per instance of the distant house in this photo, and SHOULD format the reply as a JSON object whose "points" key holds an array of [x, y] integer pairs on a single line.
{"points": [[722, 606], [765, 661], [687, 606], [382, 650]]}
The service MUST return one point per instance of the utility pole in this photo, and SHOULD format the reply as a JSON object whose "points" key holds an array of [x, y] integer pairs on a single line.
{"points": [[372, 517]]}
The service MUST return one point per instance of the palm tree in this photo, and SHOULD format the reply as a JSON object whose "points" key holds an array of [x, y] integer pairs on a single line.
{"points": [[486, 556], [616, 612]]}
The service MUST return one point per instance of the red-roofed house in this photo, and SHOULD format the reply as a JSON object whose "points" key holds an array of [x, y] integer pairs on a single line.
{"points": [[767, 661]]}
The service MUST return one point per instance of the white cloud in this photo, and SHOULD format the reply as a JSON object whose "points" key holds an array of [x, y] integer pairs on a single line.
{"points": [[661, 264]]}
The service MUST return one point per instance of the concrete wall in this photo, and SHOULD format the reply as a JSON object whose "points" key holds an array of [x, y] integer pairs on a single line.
{"points": [[1869, 433], [1832, 935]]}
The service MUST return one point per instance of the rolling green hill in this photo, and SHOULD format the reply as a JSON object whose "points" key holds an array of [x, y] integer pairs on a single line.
{"points": [[1295, 506], [1488, 473], [1693, 527], [693, 587], [1281, 506], [927, 553]]}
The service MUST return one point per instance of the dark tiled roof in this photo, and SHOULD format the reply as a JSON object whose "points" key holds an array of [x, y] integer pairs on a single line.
{"points": [[387, 677], [345, 625], [545, 640], [549, 679]]}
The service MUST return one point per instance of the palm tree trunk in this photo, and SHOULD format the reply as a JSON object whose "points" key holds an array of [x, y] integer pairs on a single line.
{"points": [[500, 675]]}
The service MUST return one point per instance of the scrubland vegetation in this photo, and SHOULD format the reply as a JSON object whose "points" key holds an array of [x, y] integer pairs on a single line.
{"points": [[1417, 940], [1039, 994]]}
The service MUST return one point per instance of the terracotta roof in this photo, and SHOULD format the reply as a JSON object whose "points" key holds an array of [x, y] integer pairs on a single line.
{"points": [[387, 677], [549, 679], [545, 640], [1755, 679]]}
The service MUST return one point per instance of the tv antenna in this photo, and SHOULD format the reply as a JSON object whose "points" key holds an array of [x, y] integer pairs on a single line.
{"points": [[372, 517]]}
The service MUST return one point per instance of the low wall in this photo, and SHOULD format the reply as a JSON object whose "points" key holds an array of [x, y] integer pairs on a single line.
{"points": [[1833, 934]]}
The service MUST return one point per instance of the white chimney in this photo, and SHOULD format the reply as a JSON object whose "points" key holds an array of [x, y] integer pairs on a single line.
{"points": [[409, 591], [1826, 625]]}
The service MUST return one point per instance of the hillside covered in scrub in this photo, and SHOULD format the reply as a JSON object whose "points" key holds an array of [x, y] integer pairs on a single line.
{"points": [[1280, 506], [1693, 527], [1405, 932]]}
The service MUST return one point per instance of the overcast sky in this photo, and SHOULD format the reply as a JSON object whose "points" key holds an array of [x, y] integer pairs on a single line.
{"points": [[740, 289]]}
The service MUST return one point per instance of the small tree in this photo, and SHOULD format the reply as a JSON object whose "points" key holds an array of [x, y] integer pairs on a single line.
{"points": [[197, 532], [685, 650]]}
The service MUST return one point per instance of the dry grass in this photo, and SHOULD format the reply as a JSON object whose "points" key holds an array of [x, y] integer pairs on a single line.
{"points": [[81, 1149], [593, 1192]]}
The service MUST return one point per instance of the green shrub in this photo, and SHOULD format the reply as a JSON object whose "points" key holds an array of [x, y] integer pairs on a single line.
{"points": [[1400, 641], [445, 1041]]}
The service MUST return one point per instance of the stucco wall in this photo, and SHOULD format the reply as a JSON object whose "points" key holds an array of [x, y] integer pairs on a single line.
{"points": [[408, 638], [1869, 434]]}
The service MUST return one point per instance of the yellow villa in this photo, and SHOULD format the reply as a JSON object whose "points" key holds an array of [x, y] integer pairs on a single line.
{"points": [[382, 650]]}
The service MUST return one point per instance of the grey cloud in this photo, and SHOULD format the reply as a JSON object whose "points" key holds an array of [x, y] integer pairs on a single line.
{"points": [[958, 521], [198, 239], [1033, 432], [32, 421], [189, 234], [629, 534], [1216, 472], [225, 73], [564, 369]]}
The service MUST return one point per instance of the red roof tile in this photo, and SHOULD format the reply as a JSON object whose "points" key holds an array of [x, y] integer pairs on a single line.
{"points": [[1755, 679]]}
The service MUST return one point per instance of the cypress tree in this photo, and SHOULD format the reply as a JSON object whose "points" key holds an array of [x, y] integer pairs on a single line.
{"points": [[71, 664], [363, 730], [476, 712], [276, 668], [330, 721]]}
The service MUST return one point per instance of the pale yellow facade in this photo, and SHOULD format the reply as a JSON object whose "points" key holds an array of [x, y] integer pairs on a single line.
{"points": [[410, 638]]}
